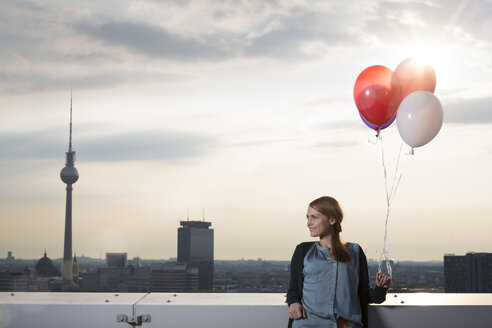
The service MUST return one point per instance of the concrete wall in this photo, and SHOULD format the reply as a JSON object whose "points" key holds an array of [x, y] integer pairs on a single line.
{"points": [[185, 310]]}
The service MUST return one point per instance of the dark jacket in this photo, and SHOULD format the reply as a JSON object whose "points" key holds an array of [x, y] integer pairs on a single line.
{"points": [[366, 293]]}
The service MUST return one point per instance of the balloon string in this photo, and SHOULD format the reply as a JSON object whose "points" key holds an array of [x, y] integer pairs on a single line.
{"points": [[380, 138], [396, 170], [389, 197], [396, 181], [384, 253], [401, 171]]}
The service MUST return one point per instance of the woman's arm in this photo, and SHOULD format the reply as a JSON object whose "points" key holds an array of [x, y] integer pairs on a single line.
{"points": [[376, 294], [366, 293], [296, 311], [293, 291]]}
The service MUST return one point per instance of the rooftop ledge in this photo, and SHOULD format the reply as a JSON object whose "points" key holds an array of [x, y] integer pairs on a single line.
{"points": [[184, 310]]}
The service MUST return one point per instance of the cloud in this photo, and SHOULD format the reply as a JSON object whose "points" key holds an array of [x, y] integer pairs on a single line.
{"points": [[151, 145], [462, 111], [42, 50], [48, 45], [31, 145], [127, 146], [284, 32], [257, 143], [340, 125], [470, 111], [156, 41], [231, 30], [331, 100], [11, 82], [336, 144], [301, 29], [400, 22]]}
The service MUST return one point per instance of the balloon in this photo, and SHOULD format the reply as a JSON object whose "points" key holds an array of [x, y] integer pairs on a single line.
{"points": [[419, 118], [375, 127], [414, 76], [377, 94]]}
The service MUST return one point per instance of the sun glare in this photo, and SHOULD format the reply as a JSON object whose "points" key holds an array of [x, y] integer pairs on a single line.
{"points": [[426, 54]]}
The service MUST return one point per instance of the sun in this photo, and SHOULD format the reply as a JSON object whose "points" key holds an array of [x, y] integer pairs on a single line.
{"points": [[426, 54]]}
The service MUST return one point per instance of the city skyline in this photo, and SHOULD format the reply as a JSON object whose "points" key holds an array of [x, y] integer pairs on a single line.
{"points": [[244, 110]]}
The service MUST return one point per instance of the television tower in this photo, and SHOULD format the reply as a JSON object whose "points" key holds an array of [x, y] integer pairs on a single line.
{"points": [[69, 175]]}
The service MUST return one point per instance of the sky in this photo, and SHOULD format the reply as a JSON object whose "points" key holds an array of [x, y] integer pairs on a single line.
{"points": [[242, 113]]}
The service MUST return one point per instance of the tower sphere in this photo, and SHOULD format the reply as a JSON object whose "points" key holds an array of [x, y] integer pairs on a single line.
{"points": [[69, 174]]}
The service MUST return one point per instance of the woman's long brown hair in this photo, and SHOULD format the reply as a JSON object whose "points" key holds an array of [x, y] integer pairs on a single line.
{"points": [[329, 206]]}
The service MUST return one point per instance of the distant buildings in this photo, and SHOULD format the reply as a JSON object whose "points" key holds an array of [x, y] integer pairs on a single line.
{"points": [[196, 247], [193, 271], [174, 277], [470, 273], [118, 260], [112, 277], [13, 282]]}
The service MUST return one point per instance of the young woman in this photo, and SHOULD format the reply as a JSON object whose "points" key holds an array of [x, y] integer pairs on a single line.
{"points": [[329, 279]]}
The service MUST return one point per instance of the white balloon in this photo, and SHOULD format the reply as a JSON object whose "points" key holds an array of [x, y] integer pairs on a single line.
{"points": [[419, 118]]}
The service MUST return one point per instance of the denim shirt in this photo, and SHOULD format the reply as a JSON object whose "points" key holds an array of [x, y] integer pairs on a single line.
{"points": [[330, 288]]}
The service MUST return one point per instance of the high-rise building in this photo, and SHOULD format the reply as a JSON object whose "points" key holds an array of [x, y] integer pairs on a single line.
{"points": [[69, 175], [454, 273], [470, 273], [196, 247]]}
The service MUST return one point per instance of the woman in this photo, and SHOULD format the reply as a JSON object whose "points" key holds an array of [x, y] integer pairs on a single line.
{"points": [[329, 279]]}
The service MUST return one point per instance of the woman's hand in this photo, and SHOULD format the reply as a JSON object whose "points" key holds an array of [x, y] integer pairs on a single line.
{"points": [[382, 280], [296, 311]]}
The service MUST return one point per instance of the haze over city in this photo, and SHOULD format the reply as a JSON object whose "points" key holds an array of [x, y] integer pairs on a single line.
{"points": [[243, 109]]}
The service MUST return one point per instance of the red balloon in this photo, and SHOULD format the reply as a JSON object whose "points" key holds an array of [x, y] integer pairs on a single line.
{"points": [[415, 76], [377, 94]]}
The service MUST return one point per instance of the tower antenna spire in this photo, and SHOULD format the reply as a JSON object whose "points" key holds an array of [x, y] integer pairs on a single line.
{"points": [[70, 138]]}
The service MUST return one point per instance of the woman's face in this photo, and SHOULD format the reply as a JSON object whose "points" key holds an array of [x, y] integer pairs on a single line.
{"points": [[318, 224]]}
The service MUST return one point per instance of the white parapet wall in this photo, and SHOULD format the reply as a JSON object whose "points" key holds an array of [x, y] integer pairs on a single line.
{"points": [[57, 310], [186, 310], [413, 310]]}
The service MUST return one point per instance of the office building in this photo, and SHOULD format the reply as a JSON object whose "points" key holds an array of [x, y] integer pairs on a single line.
{"points": [[196, 247], [454, 273], [13, 282], [174, 277], [470, 273], [140, 280]]}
